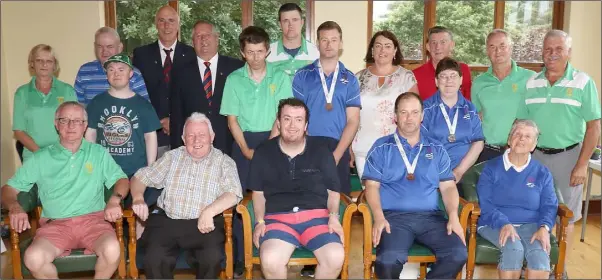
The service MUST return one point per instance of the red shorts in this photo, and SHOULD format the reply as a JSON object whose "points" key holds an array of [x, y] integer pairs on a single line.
{"points": [[73, 233]]}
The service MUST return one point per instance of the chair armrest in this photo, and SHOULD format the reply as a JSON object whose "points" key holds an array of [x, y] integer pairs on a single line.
{"points": [[346, 199], [564, 211]]}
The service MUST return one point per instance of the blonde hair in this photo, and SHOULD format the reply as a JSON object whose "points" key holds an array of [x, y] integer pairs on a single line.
{"points": [[32, 57]]}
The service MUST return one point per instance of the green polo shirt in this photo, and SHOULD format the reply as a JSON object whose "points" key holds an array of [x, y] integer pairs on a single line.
{"points": [[255, 104], [34, 111], [498, 101], [69, 184], [561, 110], [282, 60]]}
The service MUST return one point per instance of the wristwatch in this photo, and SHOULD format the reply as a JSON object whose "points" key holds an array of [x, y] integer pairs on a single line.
{"points": [[546, 227]]}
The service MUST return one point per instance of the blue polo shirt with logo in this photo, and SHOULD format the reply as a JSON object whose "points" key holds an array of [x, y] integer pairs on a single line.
{"points": [[468, 129], [385, 165], [308, 88]]}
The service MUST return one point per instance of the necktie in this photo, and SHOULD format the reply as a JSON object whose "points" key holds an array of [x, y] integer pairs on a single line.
{"points": [[167, 65], [207, 85]]}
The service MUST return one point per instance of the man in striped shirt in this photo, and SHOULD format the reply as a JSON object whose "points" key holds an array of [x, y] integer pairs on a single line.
{"points": [[91, 78]]}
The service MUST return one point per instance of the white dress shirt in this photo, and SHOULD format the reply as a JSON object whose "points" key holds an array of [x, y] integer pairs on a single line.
{"points": [[212, 68], [163, 54]]}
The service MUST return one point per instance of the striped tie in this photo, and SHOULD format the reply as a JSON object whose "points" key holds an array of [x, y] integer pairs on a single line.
{"points": [[207, 85], [167, 66]]}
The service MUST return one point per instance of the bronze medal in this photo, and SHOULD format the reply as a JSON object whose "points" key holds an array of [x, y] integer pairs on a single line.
{"points": [[410, 176], [451, 138], [328, 106]]}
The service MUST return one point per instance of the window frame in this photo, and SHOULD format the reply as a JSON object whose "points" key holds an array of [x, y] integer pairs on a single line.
{"points": [[247, 14], [430, 18]]}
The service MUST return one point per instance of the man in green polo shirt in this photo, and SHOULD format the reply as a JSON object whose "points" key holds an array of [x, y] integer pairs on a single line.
{"points": [[291, 51], [564, 103], [497, 93], [71, 176]]}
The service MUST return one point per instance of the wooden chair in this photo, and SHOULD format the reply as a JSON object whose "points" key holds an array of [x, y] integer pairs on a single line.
{"points": [[484, 252], [300, 256], [418, 253], [77, 261], [227, 272]]}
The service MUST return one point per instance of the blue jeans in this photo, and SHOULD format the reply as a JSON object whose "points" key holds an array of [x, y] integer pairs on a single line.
{"points": [[426, 228], [515, 252]]}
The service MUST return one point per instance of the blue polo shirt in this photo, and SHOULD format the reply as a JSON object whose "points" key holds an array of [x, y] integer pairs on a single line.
{"points": [[385, 165], [468, 129], [308, 88], [509, 196]]}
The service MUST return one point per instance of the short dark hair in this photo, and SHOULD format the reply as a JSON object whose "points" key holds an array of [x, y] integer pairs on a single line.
{"points": [[448, 63], [439, 29], [253, 35], [406, 96], [397, 60], [293, 102], [287, 7], [329, 25]]}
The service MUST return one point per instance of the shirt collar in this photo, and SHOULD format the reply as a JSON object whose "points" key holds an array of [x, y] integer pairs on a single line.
{"points": [[172, 47], [212, 61], [191, 160], [280, 46], [269, 72], [513, 68], [459, 104], [342, 68], [568, 73], [508, 164], [32, 84], [422, 140], [60, 148]]}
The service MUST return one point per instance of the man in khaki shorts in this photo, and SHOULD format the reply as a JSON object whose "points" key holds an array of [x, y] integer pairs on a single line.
{"points": [[564, 103], [71, 176]]}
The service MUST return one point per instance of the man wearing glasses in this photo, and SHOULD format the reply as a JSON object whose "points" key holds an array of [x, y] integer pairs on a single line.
{"points": [[71, 176]]}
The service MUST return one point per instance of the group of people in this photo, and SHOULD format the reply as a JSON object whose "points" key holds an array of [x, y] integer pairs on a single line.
{"points": [[181, 133]]}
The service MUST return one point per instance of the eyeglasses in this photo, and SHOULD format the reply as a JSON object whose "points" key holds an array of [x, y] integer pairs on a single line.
{"points": [[65, 121], [447, 78]]}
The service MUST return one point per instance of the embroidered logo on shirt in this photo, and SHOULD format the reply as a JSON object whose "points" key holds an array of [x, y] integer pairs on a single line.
{"points": [[60, 99], [569, 92], [530, 182], [272, 88], [514, 87], [429, 153], [89, 167]]}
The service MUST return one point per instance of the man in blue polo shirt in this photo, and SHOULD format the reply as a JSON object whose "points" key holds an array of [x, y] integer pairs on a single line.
{"points": [[403, 174], [332, 94], [91, 79]]}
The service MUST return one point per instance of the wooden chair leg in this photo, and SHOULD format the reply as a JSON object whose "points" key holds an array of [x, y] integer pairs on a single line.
{"points": [[132, 244], [422, 271], [16, 254], [248, 271], [368, 267], [121, 270]]}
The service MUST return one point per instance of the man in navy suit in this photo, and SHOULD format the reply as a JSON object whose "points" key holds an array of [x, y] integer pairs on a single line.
{"points": [[157, 63], [198, 87]]}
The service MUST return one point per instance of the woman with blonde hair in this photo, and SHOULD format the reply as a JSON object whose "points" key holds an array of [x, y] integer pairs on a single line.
{"points": [[36, 102]]}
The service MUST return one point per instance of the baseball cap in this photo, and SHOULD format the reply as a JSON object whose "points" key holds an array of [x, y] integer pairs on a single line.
{"points": [[122, 57]]}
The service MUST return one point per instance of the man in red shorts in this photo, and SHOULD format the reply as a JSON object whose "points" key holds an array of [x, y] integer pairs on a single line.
{"points": [[71, 176], [296, 197]]}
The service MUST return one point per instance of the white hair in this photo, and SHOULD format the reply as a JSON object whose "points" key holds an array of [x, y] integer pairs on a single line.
{"points": [[65, 104], [498, 31], [568, 40], [524, 122], [199, 118], [107, 30]]}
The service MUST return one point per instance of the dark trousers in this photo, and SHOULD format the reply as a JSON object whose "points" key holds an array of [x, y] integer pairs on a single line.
{"points": [[343, 166], [163, 238], [490, 152], [426, 228]]}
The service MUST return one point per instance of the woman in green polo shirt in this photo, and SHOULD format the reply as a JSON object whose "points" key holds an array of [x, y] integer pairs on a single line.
{"points": [[36, 101]]}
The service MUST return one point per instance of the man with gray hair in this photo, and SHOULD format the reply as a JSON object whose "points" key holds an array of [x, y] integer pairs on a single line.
{"points": [[564, 103], [199, 182], [497, 93], [91, 78]]}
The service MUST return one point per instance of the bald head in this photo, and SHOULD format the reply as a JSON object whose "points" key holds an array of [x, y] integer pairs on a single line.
{"points": [[167, 22]]}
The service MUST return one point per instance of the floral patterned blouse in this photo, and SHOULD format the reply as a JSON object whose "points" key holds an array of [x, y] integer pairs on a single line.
{"points": [[377, 117]]}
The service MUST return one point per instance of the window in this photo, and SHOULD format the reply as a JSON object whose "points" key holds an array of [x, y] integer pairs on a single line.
{"points": [[135, 20], [406, 20], [470, 21]]}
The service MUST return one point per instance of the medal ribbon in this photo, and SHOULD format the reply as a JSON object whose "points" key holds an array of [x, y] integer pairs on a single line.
{"points": [[450, 126], [328, 93], [411, 168]]}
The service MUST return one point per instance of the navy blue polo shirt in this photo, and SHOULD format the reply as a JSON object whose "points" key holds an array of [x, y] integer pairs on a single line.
{"points": [[385, 165], [308, 88], [468, 129], [287, 182]]}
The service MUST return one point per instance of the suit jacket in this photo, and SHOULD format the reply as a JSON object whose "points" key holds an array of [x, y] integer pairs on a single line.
{"points": [[147, 59], [188, 96]]}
